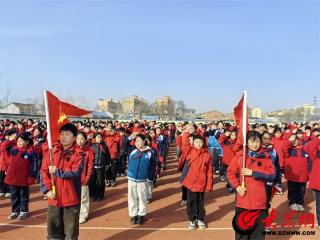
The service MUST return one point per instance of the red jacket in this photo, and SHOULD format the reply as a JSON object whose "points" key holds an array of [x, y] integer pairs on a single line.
{"points": [[228, 148], [87, 165], [197, 171], [113, 143], [262, 171], [5, 154], [22, 168], [67, 179], [277, 144], [313, 149], [295, 162]]}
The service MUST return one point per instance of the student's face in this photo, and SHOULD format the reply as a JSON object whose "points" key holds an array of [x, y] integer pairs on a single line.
{"points": [[21, 143], [98, 139], [266, 140], [139, 143], [112, 132], [233, 136], [198, 143], [220, 125], [80, 140], [191, 129], [152, 134], [300, 136], [254, 145], [158, 131], [121, 134], [67, 138], [20, 126], [277, 134]]}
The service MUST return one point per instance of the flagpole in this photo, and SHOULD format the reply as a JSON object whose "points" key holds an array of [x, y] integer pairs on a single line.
{"points": [[49, 140], [244, 133]]}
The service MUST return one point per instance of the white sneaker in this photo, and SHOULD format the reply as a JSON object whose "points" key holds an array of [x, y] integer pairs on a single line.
{"points": [[8, 195], [300, 208], [294, 207], [82, 220], [192, 225], [202, 224], [2, 194]]}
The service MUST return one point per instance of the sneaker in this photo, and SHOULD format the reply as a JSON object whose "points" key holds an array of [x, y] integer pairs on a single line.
{"points": [[113, 184], [13, 216], [223, 178], [82, 220], [183, 203], [217, 171], [134, 220], [108, 184], [230, 190], [294, 207], [300, 208], [149, 201], [192, 225], [123, 175], [140, 220], [45, 197], [2, 194], [118, 174], [22, 216], [202, 224], [8, 195]]}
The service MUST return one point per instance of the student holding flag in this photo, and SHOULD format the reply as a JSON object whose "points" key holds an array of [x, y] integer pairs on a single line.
{"points": [[248, 174], [61, 170]]}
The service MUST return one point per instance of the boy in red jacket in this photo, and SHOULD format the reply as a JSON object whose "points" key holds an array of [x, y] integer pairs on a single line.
{"points": [[64, 206], [113, 142], [258, 171], [196, 177], [86, 175]]}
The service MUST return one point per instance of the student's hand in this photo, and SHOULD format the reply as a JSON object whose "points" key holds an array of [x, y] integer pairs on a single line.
{"points": [[52, 169], [241, 191], [246, 171], [227, 133], [292, 138], [294, 130], [50, 195], [12, 137]]}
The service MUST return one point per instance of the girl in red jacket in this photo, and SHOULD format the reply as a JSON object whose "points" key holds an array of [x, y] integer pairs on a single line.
{"points": [[313, 149], [22, 172], [88, 155], [228, 142], [296, 171], [258, 171], [196, 177]]}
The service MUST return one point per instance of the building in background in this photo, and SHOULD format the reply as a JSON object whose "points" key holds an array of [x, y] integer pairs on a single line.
{"points": [[134, 105], [21, 108], [109, 105], [256, 113]]}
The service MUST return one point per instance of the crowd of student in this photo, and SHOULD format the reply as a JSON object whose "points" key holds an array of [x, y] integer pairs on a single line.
{"points": [[90, 156]]}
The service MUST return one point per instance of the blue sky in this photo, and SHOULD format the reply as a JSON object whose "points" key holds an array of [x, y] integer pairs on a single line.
{"points": [[203, 52]]}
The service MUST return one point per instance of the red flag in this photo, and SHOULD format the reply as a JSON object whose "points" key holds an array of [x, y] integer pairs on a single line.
{"points": [[57, 112], [241, 118]]}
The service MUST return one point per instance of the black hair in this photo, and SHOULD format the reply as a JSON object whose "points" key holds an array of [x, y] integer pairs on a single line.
{"points": [[69, 127], [141, 136], [254, 135], [26, 136], [84, 135], [198, 137], [277, 130], [299, 131]]}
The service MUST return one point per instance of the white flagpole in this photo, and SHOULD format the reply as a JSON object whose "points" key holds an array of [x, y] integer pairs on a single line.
{"points": [[45, 93], [244, 133]]}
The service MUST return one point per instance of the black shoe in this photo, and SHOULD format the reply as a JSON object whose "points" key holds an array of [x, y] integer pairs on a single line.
{"points": [[113, 184], [140, 220], [134, 220], [118, 174]]}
